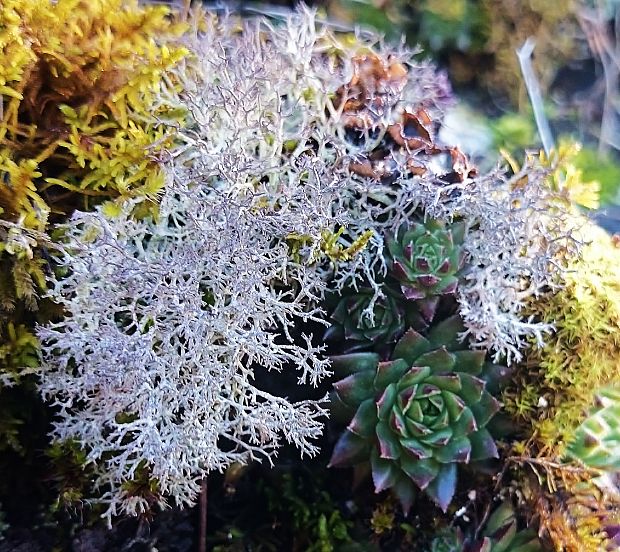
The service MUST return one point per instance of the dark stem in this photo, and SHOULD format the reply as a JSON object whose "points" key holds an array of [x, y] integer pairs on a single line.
{"points": [[202, 543]]}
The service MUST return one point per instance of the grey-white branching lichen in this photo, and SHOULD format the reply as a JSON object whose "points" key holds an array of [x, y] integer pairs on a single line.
{"points": [[168, 317], [166, 320]]}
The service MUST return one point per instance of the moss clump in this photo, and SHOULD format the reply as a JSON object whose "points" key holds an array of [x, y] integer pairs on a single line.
{"points": [[559, 381], [572, 513], [80, 84]]}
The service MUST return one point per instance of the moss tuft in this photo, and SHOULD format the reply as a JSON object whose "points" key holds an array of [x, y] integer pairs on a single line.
{"points": [[559, 381]]}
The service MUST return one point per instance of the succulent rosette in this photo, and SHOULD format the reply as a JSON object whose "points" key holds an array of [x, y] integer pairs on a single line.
{"points": [[596, 442], [418, 415], [501, 534], [363, 321], [426, 258]]}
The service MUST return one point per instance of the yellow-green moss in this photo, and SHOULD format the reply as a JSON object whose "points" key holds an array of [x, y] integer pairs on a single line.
{"points": [[79, 85], [571, 517], [557, 384]]}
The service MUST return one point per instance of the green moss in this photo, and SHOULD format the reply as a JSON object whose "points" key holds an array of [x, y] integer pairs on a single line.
{"points": [[316, 520], [558, 382], [514, 131], [20, 348], [602, 169]]}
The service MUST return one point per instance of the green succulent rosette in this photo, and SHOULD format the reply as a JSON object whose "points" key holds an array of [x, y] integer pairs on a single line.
{"points": [[448, 540], [361, 321], [426, 258], [416, 416], [596, 442], [501, 534]]}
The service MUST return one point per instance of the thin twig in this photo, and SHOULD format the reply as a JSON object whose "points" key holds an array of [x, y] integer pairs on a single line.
{"points": [[549, 464], [607, 50], [533, 89]]}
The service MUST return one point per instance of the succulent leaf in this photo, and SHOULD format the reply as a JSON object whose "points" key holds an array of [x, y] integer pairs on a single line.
{"points": [[442, 488], [482, 445], [500, 534], [446, 333], [361, 424], [485, 409], [343, 365], [404, 490], [456, 450], [384, 472], [389, 371], [470, 362], [389, 446], [355, 388], [411, 346], [439, 360], [597, 440], [339, 411], [349, 449], [421, 471]]}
